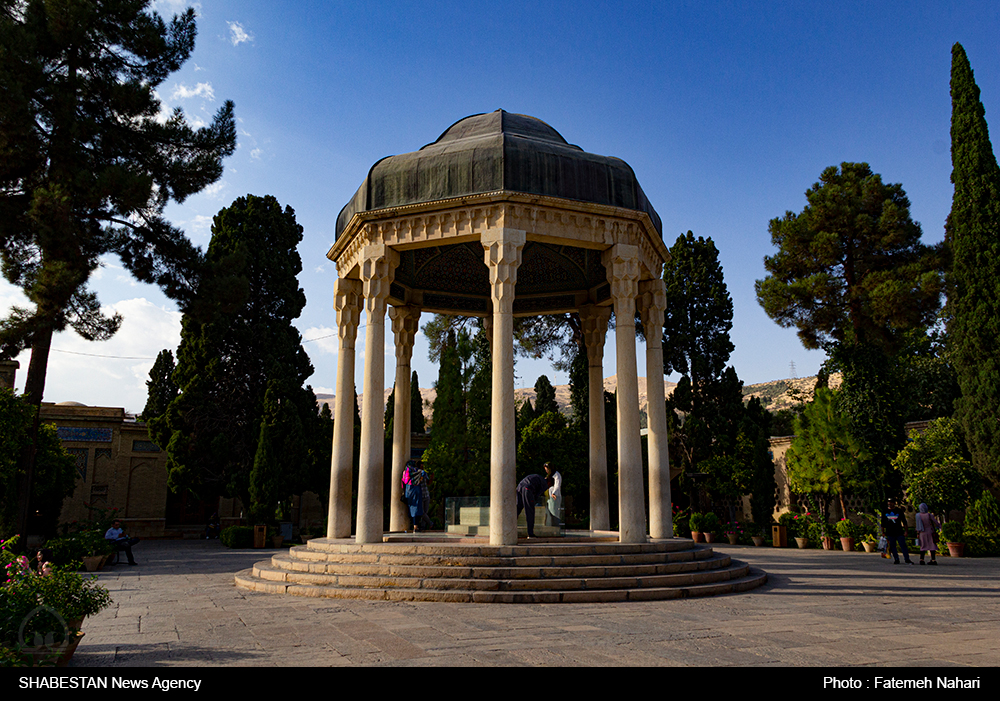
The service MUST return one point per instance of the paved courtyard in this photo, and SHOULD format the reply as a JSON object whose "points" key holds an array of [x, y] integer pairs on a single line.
{"points": [[179, 608]]}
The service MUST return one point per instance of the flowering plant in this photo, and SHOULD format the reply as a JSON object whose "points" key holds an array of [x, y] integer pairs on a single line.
{"points": [[42, 608]]}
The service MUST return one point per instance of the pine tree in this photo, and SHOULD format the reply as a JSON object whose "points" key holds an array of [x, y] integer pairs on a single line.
{"points": [[87, 168], [973, 234], [227, 359]]}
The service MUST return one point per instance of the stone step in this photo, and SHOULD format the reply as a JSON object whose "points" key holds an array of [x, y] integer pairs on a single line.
{"points": [[551, 556], [739, 580], [558, 570], [522, 568], [506, 579]]}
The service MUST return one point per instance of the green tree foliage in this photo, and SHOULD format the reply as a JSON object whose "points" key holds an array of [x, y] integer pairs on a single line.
{"points": [[160, 388], [935, 468], [755, 449], [851, 268], [87, 166], [705, 409], [54, 474], [229, 358], [545, 396], [852, 276], [973, 234], [825, 457], [417, 422]]}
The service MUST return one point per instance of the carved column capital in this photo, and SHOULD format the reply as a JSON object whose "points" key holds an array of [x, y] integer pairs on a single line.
{"points": [[652, 304], [378, 263], [502, 257], [622, 264], [594, 321], [347, 305], [405, 324]]}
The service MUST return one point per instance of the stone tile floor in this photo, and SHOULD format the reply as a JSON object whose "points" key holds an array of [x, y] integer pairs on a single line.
{"points": [[180, 608]]}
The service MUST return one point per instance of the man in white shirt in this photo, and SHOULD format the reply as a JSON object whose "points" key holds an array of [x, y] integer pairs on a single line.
{"points": [[121, 541], [554, 505]]}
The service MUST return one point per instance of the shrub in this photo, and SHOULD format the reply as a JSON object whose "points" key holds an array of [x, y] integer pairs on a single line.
{"points": [[980, 543], [951, 531], [682, 527], [983, 515], [710, 523], [237, 537], [37, 609]]}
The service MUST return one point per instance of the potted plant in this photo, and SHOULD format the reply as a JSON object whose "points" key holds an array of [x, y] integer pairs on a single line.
{"points": [[41, 614], [709, 526], [951, 531], [756, 533], [846, 529], [695, 524], [734, 532]]}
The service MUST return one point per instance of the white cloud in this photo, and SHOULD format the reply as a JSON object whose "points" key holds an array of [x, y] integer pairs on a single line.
{"points": [[237, 34], [322, 338], [255, 154], [183, 92], [111, 373]]}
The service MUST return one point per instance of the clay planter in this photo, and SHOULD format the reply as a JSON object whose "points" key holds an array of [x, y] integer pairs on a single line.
{"points": [[847, 543], [870, 546], [802, 542], [45, 656], [277, 541], [956, 549], [827, 543], [93, 562], [732, 538], [697, 536], [758, 541], [709, 537]]}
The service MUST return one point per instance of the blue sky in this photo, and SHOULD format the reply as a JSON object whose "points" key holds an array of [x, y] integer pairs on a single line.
{"points": [[726, 111]]}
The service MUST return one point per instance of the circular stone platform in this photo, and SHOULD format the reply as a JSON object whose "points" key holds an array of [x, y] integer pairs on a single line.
{"points": [[436, 567]]}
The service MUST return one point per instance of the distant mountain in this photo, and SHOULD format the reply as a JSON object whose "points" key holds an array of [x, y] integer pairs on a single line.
{"points": [[775, 395]]}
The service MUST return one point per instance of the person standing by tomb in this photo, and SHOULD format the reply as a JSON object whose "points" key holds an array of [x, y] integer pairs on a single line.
{"points": [[528, 491], [554, 504], [426, 522], [412, 493]]}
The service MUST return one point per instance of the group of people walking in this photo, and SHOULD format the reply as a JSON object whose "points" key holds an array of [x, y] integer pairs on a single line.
{"points": [[894, 532]]}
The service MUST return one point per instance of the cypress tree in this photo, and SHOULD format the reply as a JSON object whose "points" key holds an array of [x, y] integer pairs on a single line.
{"points": [[228, 357], [545, 396], [973, 234], [417, 423], [161, 388]]}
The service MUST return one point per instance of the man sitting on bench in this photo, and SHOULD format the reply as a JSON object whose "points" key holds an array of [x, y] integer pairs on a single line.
{"points": [[121, 541]]}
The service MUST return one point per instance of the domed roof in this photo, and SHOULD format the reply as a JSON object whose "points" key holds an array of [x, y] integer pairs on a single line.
{"points": [[493, 152]]}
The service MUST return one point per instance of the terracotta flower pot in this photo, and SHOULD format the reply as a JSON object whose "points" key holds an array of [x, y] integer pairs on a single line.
{"points": [[827, 543], [847, 543], [732, 538], [697, 537], [93, 562], [870, 546], [758, 541], [956, 549], [709, 537], [802, 542]]}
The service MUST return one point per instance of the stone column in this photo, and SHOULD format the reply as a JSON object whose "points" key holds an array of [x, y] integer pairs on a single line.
{"points": [[622, 264], [595, 328], [503, 256], [347, 303], [405, 322], [378, 262], [652, 304]]}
